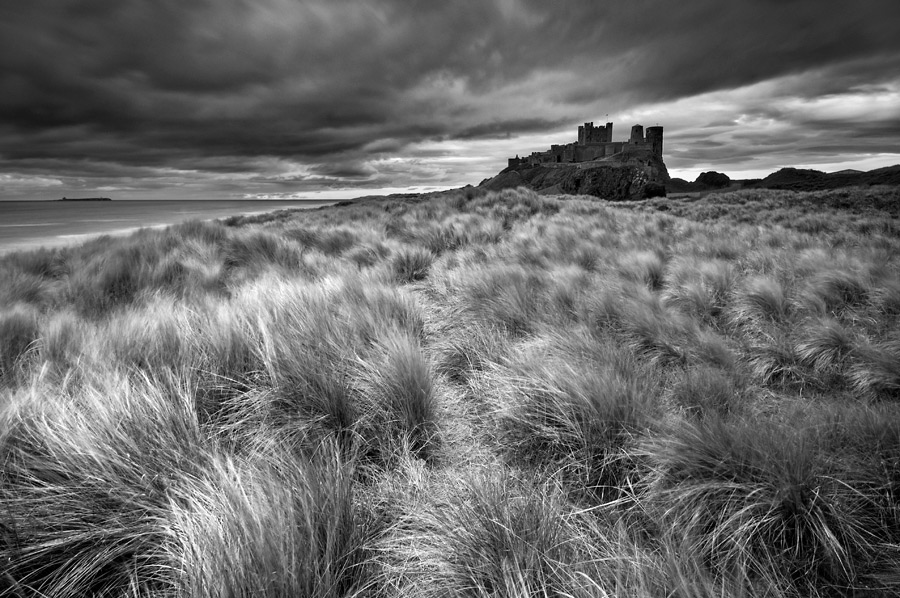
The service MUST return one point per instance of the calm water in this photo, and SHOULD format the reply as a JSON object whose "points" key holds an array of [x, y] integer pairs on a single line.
{"points": [[31, 224]]}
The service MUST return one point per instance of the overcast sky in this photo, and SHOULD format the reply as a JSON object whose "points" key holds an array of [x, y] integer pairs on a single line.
{"points": [[291, 98]]}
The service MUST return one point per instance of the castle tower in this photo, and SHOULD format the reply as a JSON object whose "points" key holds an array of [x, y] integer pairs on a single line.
{"points": [[608, 133], [655, 139], [586, 133], [637, 134]]}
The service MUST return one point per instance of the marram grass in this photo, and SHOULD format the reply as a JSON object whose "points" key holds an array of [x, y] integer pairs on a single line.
{"points": [[462, 394]]}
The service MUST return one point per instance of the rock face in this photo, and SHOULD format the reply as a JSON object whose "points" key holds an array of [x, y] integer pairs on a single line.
{"points": [[628, 175]]}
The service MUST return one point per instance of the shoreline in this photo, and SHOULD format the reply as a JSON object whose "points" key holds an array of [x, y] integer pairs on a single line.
{"points": [[19, 237]]}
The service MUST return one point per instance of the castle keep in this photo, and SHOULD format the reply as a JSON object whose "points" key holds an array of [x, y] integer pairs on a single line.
{"points": [[594, 143]]}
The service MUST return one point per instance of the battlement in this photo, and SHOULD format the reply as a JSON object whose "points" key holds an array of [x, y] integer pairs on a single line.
{"points": [[594, 143]]}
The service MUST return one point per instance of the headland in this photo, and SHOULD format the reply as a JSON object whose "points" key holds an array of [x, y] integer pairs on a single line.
{"points": [[594, 164]]}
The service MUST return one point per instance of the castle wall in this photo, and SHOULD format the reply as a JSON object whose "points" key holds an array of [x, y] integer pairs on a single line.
{"points": [[592, 152], [581, 153], [594, 143]]}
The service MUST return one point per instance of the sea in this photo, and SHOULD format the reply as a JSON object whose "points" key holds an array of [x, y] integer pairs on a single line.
{"points": [[28, 225]]}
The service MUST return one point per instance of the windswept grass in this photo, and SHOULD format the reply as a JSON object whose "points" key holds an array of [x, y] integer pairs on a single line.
{"points": [[700, 288], [468, 393], [770, 502], [757, 499], [496, 536], [575, 419], [19, 333], [86, 484], [411, 265], [397, 384], [272, 526]]}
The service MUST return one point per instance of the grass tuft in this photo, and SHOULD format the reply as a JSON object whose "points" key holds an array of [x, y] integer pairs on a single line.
{"points": [[411, 265], [399, 399], [708, 390], [107, 281], [63, 337], [700, 289], [874, 372], [774, 361], [19, 331], [272, 526], [837, 290], [579, 422], [644, 267], [258, 250], [825, 347], [762, 299], [508, 297], [755, 500], [496, 537], [87, 485]]}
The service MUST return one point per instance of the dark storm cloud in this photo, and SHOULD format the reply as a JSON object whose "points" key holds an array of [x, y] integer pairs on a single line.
{"points": [[285, 92], [345, 170], [504, 128]]}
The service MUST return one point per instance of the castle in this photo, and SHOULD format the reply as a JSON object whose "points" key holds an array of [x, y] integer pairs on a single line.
{"points": [[594, 143]]}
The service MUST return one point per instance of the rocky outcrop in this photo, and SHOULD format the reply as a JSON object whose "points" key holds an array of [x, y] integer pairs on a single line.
{"points": [[629, 175], [707, 181], [713, 179]]}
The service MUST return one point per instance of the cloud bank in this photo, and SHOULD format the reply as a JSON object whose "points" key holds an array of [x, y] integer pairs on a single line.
{"points": [[233, 98]]}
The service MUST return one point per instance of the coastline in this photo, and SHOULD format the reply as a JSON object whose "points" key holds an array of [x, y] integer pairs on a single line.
{"points": [[29, 226]]}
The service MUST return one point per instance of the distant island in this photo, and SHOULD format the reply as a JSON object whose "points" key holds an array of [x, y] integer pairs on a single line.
{"points": [[84, 199]]}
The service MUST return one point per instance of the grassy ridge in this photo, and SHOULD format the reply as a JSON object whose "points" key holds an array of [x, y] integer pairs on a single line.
{"points": [[468, 394]]}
